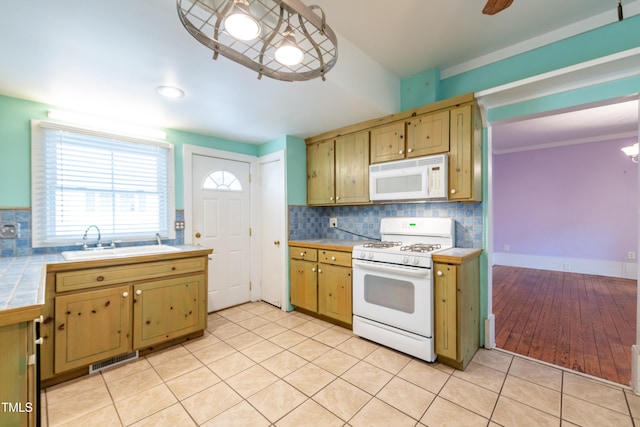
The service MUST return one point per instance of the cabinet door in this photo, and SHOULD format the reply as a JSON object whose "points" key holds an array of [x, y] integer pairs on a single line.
{"points": [[14, 373], [387, 143], [167, 309], [445, 313], [303, 291], [428, 134], [464, 157], [334, 292], [321, 173], [352, 168], [91, 326]]}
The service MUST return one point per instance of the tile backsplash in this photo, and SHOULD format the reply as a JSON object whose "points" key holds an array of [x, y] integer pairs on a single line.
{"points": [[22, 245], [313, 222]]}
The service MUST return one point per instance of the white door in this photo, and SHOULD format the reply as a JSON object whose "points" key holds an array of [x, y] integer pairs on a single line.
{"points": [[273, 241], [221, 221]]}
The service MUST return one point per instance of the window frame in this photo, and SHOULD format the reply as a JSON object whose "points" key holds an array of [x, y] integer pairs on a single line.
{"points": [[40, 239]]}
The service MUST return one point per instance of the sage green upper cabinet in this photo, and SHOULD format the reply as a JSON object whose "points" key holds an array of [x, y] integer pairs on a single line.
{"points": [[352, 168], [338, 170], [321, 173], [387, 143], [465, 158], [428, 134]]}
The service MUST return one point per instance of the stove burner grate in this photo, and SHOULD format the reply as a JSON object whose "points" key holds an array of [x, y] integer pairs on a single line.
{"points": [[421, 247], [381, 245]]}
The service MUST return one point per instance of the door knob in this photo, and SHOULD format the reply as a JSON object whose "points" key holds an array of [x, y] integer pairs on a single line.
{"points": [[198, 235], [276, 242]]}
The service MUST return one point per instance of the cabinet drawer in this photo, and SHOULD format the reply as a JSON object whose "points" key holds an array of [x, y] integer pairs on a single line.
{"points": [[303, 253], [336, 258], [92, 277]]}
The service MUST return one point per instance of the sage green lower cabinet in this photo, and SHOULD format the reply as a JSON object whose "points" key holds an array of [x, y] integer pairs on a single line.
{"points": [[456, 307], [167, 309], [17, 374], [98, 310], [91, 326]]}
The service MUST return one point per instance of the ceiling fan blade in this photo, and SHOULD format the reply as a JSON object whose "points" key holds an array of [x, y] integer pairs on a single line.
{"points": [[494, 6]]}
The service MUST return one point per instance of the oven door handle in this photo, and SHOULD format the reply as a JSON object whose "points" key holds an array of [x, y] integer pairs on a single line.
{"points": [[387, 268]]}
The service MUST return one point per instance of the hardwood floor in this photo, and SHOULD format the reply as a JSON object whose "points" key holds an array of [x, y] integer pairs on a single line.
{"points": [[578, 321]]}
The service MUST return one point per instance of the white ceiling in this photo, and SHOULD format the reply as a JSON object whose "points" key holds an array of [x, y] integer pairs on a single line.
{"points": [[107, 58]]}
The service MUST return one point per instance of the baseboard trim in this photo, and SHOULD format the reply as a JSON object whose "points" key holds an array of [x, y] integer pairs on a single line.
{"points": [[623, 270]]}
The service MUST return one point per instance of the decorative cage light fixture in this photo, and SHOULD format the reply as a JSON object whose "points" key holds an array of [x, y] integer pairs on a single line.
{"points": [[282, 39]]}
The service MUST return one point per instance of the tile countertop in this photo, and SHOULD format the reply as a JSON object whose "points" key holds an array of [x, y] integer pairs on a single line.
{"points": [[23, 279], [456, 255], [344, 245]]}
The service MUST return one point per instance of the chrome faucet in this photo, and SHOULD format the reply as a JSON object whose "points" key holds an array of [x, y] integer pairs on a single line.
{"points": [[158, 239], [84, 238]]}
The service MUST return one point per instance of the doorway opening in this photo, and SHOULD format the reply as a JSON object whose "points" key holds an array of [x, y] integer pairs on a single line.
{"points": [[564, 237]]}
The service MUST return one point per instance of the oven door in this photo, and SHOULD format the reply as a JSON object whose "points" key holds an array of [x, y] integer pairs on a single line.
{"points": [[395, 295]]}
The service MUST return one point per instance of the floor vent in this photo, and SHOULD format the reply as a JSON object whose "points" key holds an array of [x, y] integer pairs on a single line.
{"points": [[114, 361]]}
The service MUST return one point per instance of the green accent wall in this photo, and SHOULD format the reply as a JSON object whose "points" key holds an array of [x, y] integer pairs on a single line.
{"points": [[15, 150], [420, 89], [612, 38], [296, 171]]}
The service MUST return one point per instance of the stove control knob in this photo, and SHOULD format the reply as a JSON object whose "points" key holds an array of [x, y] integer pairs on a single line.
{"points": [[370, 256], [362, 255], [416, 261], [405, 259]]}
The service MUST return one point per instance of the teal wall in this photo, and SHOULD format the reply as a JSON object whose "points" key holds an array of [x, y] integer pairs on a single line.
{"points": [[612, 38], [607, 40], [420, 89], [15, 150]]}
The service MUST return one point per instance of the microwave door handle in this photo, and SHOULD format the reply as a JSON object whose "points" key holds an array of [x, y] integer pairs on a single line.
{"points": [[389, 268]]}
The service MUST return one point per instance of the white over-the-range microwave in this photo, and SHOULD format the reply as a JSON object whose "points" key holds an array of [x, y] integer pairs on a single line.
{"points": [[423, 178]]}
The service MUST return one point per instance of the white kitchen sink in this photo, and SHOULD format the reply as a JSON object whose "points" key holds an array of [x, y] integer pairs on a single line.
{"points": [[117, 252]]}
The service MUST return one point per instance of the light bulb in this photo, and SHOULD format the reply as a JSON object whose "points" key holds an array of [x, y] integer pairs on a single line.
{"points": [[288, 53], [240, 24]]}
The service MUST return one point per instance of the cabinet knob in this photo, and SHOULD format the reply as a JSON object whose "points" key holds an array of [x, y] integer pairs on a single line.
{"points": [[319, 270], [277, 242], [39, 341], [125, 294], [409, 150], [198, 235], [301, 253], [338, 198], [313, 269], [139, 292], [439, 273], [401, 152], [333, 258], [331, 198], [453, 191]]}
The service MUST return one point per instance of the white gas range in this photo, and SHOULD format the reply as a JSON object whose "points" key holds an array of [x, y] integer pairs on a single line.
{"points": [[393, 284]]}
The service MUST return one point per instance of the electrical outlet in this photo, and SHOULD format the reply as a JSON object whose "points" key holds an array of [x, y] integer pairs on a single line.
{"points": [[9, 231], [333, 222], [506, 248], [631, 255], [566, 266], [179, 225]]}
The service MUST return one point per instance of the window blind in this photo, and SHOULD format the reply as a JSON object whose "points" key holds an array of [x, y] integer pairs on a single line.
{"points": [[82, 177]]}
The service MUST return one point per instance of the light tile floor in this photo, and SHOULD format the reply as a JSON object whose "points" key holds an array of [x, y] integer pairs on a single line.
{"points": [[259, 366]]}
